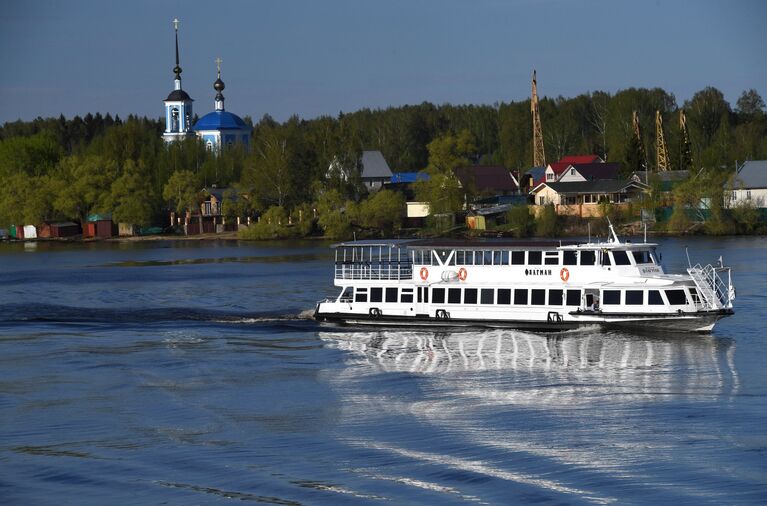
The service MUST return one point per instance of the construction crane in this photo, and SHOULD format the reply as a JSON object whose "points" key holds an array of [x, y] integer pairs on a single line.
{"points": [[661, 153], [539, 155], [685, 152], [638, 137]]}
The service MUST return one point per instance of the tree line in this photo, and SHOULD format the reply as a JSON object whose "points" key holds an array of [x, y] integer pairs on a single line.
{"points": [[59, 168]]}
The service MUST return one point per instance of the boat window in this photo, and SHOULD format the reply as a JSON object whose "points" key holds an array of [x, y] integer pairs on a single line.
{"points": [[641, 257], [606, 258], [361, 295], [497, 258], [569, 258], [555, 297], [346, 295], [479, 258], [470, 296], [452, 259], [488, 258], [504, 257], [517, 258], [438, 295], [520, 297], [406, 295], [588, 258], [634, 297], [676, 297], [537, 297], [534, 257], [551, 258], [468, 257], [443, 254], [453, 295], [425, 294], [573, 298], [487, 296], [504, 296], [376, 295], [419, 294], [654, 298], [621, 258], [460, 257], [391, 294], [611, 297], [695, 296]]}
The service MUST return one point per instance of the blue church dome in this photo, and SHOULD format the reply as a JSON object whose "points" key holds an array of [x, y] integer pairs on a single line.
{"points": [[219, 120]]}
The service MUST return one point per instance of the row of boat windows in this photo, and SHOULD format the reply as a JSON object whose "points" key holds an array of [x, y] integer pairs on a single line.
{"points": [[519, 296], [506, 257]]}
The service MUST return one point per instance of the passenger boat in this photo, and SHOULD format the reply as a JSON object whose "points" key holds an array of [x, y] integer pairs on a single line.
{"points": [[547, 286]]}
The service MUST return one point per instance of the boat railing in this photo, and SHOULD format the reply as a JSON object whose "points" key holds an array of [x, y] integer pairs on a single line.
{"points": [[382, 270], [714, 291]]}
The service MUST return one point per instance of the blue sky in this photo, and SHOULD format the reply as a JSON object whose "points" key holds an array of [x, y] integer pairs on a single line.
{"points": [[321, 57]]}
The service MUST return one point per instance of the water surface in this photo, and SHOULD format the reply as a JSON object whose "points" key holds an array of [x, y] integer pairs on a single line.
{"points": [[190, 373]]}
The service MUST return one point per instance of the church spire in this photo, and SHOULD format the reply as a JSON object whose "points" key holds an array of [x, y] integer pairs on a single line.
{"points": [[219, 87], [177, 68]]}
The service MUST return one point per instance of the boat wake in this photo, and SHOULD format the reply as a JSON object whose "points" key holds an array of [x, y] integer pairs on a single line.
{"points": [[13, 314]]}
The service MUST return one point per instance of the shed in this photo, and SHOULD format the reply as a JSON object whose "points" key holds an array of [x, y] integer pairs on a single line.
{"points": [[3, 234], [99, 225], [64, 229], [30, 232]]}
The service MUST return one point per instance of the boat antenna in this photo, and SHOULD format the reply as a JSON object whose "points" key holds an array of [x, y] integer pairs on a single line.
{"points": [[686, 252], [589, 224], [645, 231], [612, 231]]}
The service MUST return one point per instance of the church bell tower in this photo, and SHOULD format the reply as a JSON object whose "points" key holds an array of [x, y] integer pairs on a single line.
{"points": [[178, 105]]}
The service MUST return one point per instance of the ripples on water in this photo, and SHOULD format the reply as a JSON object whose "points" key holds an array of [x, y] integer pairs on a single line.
{"points": [[193, 375]]}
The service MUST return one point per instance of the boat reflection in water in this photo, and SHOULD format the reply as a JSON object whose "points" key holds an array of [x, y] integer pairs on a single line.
{"points": [[624, 363]]}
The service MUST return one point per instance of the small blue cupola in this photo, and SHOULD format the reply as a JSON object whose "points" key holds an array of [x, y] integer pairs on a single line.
{"points": [[221, 128]]}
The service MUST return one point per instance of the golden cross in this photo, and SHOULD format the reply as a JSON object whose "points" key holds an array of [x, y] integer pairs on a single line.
{"points": [[218, 64]]}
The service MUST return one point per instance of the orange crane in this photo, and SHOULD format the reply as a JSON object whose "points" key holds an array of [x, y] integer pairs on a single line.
{"points": [[539, 155]]}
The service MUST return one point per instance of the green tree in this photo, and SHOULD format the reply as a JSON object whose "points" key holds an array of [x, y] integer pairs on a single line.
{"points": [[546, 224], [87, 184], [520, 220], [383, 211], [181, 191], [333, 216], [131, 199]]}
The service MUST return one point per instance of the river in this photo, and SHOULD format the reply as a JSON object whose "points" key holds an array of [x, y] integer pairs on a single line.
{"points": [[190, 372]]}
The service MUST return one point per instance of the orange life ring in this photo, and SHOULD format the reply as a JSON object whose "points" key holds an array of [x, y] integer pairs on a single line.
{"points": [[424, 273], [462, 273], [564, 274]]}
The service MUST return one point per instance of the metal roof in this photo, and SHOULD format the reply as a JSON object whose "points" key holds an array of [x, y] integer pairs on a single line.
{"points": [[752, 174], [598, 186], [220, 120], [486, 178], [409, 177], [178, 96], [374, 165]]}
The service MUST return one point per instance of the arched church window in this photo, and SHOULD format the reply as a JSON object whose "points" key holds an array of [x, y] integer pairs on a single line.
{"points": [[174, 120]]}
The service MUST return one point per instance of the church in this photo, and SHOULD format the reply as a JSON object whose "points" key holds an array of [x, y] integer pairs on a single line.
{"points": [[216, 129]]}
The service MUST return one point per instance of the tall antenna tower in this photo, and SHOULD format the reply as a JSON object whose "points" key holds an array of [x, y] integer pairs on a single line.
{"points": [[539, 155], [661, 153], [685, 153], [638, 137]]}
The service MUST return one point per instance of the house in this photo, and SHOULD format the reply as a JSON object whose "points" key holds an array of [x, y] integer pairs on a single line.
{"points": [[583, 198], [375, 170], [750, 185], [487, 180], [532, 178], [589, 172], [667, 180], [556, 170]]}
